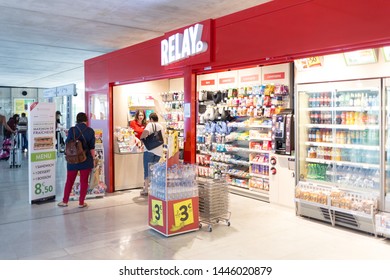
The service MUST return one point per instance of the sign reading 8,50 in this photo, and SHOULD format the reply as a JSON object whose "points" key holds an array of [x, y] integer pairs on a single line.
{"points": [[41, 189]]}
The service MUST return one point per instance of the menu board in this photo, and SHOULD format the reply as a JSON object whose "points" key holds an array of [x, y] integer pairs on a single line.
{"points": [[42, 153]]}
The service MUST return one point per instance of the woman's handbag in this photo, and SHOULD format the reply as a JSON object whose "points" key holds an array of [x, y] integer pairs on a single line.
{"points": [[153, 140]]}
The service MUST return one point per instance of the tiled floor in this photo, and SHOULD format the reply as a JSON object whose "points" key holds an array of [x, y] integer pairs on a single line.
{"points": [[115, 228]]}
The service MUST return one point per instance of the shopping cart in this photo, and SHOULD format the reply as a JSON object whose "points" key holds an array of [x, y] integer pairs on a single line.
{"points": [[213, 202]]}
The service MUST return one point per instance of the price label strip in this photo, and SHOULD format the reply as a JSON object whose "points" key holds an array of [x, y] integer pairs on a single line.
{"points": [[183, 214], [157, 213]]}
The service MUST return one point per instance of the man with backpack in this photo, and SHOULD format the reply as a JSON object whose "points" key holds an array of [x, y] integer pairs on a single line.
{"points": [[81, 132]]}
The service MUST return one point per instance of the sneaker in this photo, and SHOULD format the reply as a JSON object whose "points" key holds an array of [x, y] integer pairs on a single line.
{"points": [[62, 204], [83, 205]]}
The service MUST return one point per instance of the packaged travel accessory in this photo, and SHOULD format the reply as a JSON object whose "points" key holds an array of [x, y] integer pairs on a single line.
{"points": [[74, 151], [153, 140], [217, 97], [93, 180]]}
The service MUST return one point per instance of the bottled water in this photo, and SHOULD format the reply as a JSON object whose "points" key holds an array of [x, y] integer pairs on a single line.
{"points": [[178, 182]]}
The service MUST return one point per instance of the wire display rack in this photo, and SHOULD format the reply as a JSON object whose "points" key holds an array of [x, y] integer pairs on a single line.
{"points": [[213, 202]]}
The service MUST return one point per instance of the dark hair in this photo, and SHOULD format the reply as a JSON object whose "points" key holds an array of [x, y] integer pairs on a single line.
{"points": [[81, 117], [137, 114], [153, 117]]}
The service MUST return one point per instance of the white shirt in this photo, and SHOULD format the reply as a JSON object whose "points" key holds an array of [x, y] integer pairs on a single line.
{"points": [[159, 150]]}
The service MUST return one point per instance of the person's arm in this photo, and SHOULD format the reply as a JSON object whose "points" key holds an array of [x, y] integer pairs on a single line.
{"points": [[145, 133], [93, 153]]}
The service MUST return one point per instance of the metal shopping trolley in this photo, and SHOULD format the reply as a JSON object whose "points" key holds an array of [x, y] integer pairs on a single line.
{"points": [[213, 202]]}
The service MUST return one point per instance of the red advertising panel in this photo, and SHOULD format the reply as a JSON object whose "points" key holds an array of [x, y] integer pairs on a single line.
{"points": [[207, 82], [274, 76], [227, 80]]}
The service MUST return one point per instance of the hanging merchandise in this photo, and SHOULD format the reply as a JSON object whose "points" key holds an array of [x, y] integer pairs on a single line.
{"points": [[237, 135]]}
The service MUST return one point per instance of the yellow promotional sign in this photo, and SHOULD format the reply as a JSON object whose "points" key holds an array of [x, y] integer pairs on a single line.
{"points": [[157, 213], [183, 214]]}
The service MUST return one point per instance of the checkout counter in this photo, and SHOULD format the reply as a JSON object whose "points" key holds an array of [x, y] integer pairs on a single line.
{"points": [[128, 160]]}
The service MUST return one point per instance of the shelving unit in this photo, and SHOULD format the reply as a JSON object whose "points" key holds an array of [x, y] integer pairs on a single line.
{"points": [[174, 115], [339, 149], [241, 148]]}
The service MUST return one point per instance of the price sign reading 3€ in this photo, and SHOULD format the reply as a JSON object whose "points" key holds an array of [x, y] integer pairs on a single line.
{"points": [[157, 213], [183, 213]]}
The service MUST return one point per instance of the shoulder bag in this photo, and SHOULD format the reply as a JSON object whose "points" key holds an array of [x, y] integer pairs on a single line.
{"points": [[154, 139]]}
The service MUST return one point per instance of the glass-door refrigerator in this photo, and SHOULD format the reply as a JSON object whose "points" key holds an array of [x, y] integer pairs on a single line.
{"points": [[386, 192], [339, 154]]}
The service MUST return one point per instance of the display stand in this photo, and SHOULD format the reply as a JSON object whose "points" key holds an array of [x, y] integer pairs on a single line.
{"points": [[96, 185], [213, 202], [173, 203]]}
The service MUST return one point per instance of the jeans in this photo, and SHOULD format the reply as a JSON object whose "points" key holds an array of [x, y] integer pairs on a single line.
{"points": [[149, 158], [24, 141]]}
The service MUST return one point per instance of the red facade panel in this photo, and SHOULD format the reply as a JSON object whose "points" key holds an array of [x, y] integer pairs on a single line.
{"points": [[276, 32]]}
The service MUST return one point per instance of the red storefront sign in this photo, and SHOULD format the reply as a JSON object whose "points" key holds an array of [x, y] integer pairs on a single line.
{"points": [[207, 82], [227, 80], [274, 76]]}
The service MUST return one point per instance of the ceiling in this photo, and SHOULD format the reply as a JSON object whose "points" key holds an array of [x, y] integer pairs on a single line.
{"points": [[44, 43]]}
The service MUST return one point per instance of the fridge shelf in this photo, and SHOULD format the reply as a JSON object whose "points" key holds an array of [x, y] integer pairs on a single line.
{"points": [[343, 126], [345, 108], [343, 146], [343, 163]]}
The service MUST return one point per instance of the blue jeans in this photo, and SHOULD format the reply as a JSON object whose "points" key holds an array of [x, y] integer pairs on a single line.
{"points": [[24, 141], [149, 158]]}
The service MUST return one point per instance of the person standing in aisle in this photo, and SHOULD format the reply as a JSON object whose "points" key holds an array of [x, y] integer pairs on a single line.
{"points": [[22, 128], [153, 155], [139, 123], [59, 137], [12, 123], [86, 135], [5, 126]]}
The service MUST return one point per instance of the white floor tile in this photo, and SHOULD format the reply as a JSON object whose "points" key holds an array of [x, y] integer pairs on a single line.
{"points": [[115, 228]]}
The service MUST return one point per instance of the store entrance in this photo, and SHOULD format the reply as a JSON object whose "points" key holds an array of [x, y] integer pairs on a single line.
{"points": [[165, 98]]}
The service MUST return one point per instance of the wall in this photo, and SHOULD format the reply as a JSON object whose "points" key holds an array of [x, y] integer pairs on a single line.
{"points": [[276, 32]]}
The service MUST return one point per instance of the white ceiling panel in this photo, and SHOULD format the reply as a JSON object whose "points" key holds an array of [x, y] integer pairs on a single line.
{"points": [[45, 43]]}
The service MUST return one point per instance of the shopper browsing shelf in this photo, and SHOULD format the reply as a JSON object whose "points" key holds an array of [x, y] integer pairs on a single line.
{"points": [[86, 135], [139, 123], [153, 155]]}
